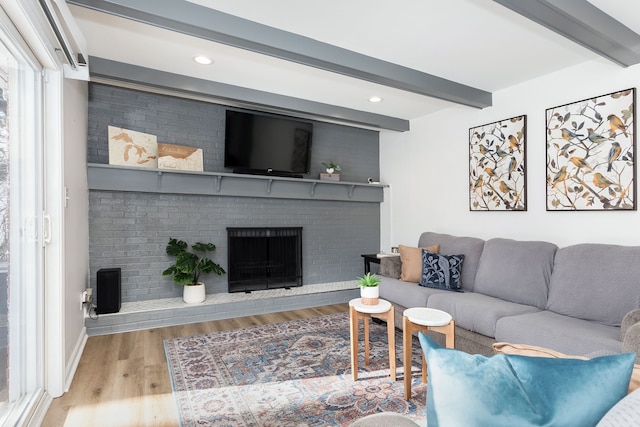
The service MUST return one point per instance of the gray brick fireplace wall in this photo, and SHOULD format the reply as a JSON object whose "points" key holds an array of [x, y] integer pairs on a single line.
{"points": [[201, 124], [130, 230]]}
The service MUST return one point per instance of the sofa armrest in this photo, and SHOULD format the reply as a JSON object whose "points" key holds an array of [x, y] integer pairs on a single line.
{"points": [[630, 319]]}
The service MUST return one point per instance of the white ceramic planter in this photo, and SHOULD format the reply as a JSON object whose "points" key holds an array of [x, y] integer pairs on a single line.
{"points": [[369, 295], [194, 294]]}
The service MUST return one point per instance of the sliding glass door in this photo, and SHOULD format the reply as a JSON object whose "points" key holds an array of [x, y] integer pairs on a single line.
{"points": [[21, 228]]}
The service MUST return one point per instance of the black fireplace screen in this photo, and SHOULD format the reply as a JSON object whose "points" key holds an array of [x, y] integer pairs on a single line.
{"points": [[264, 258]]}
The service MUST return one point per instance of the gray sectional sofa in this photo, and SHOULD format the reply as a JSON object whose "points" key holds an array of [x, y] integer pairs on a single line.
{"points": [[579, 300]]}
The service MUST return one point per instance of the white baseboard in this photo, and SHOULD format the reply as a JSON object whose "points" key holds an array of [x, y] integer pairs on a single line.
{"points": [[75, 359]]}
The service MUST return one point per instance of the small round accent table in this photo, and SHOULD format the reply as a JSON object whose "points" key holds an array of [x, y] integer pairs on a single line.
{"points": [[383, 310], [423, 319]]}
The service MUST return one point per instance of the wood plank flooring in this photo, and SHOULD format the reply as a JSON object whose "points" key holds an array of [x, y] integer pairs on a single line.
{"points": [[123, 380]]}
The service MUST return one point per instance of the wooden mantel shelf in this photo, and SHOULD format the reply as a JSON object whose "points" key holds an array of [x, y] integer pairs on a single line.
{"points": [[125, 178]]}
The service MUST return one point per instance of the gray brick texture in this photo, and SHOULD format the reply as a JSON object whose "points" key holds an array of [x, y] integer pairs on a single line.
{"points": [[201, 124], [130, 230], [132, 234]]}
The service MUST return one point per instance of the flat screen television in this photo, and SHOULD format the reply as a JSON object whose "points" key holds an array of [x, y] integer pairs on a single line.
{"points": [[267, 144]]}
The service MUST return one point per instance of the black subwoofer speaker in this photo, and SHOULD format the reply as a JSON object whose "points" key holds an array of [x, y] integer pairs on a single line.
{"points": [[108, 292]]}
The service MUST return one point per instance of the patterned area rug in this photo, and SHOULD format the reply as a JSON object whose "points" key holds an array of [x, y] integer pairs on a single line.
{"points": [[296, 373]]}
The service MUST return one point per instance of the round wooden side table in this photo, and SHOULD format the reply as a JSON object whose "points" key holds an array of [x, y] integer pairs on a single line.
{"points": [[383, 310], [423, 319]]}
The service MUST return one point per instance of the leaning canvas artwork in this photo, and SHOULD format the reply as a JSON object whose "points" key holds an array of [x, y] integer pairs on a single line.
{"points": [[179, 157], [590, 154], [497, 179], [131, 148]]}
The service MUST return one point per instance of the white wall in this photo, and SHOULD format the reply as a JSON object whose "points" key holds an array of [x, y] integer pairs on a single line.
{"points": [[76, 220], [428, 168]]}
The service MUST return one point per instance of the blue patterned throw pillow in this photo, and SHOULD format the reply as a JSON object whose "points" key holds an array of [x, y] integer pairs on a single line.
{"points": [[441, 271]]}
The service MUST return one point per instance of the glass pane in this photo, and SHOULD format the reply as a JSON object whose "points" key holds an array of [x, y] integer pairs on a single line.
{"points": [[6, 62], [20, 246]]}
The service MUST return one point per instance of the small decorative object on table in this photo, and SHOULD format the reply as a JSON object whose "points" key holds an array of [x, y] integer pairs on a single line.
{"points": [[188, 266], [387, 255], [369, 290], [331, 168]]}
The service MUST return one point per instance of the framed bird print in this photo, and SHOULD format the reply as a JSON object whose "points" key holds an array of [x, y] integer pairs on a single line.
{"points": [[497, 179], [591, 154]]}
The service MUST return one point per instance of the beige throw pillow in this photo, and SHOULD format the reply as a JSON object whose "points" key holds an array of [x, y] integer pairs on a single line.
{"points": [[412, 262], [532, 350]]}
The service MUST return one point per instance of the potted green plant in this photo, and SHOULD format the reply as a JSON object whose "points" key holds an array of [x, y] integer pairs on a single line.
{"points": [[188, 267], [369, 288], [331, 167]]}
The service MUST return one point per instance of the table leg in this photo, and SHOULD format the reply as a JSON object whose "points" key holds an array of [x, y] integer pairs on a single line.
{"points": [[353, 317], [391, 332], [424, 368], [365, 319], [451, 335], [406, 350]]}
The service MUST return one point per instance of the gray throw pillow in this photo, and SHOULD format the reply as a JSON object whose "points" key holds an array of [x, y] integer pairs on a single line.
{"points": [[630, 319], [631, 341], [390, 267]]}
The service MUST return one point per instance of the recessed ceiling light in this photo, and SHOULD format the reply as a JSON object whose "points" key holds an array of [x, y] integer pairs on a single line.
{"points": [[201, 59], [375, 99]]}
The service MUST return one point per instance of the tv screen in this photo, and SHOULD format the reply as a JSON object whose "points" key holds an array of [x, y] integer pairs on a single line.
{"points": [[261, 143]]}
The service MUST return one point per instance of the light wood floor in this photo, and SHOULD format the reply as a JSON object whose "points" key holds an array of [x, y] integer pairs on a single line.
{"points": [[123, 379]]}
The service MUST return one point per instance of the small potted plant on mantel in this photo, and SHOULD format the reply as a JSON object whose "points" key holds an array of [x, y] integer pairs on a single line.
{"points": [[331, 168], [188, 267], [369, 289]]}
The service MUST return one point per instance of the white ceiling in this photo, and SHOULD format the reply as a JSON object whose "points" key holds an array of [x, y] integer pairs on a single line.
{"points": [[474, 42]]}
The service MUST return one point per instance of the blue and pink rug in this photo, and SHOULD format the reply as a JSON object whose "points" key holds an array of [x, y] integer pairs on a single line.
{"points": [[296, 373]]}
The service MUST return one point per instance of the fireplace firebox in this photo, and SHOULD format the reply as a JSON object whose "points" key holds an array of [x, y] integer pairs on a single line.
{"points": [[264, 258]]}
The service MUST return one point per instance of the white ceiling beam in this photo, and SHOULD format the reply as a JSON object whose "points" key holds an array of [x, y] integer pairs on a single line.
{"points": [[583, 23], [198, 21]]}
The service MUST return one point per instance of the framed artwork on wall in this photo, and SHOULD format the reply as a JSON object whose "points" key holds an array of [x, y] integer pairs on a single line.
{"points": [[497, 178], [591, 154]]}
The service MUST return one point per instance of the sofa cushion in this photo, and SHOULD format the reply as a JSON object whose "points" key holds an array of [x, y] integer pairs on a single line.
{"points": [[405, 294], [411, 259], [470, 247], [509, 390], [476, 312], [516, 271], [441, 271], [596, 282], [561, 333], [534, 350]]}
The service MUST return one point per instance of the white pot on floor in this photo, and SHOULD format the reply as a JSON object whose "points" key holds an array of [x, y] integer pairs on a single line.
{"points": [[194, 294]]}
